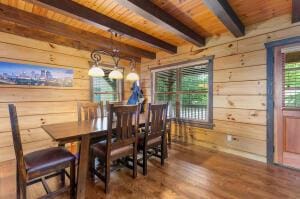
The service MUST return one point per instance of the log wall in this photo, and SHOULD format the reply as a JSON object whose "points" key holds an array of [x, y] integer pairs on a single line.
{"points": [[42, 105], [239, 99]]}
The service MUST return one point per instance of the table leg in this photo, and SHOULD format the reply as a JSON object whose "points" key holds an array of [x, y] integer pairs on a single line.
{"points": [[83, 166]]}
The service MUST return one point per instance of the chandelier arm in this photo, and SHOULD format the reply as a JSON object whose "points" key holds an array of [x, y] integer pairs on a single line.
{"points": [[96, 56], [114, 53]]}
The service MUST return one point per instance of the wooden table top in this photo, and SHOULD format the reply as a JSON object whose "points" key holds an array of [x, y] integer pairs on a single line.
{"points": [[75, 130]]}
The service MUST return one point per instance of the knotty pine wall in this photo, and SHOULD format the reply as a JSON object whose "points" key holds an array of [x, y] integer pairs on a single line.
{"points": [[42, 105], [239, 99]]}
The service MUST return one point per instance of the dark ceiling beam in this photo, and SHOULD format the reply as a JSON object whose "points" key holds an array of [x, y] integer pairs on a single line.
{"points": [[77, 36], [226, 14], [152, 12], [89, 16], [295, 11], [23, 31]]}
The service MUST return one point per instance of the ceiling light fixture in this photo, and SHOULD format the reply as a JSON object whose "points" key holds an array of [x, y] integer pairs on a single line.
{"points": [[95, 70], [114, 53], [132, 75]]}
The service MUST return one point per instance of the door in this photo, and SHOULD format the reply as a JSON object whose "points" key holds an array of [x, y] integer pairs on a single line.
{"points": [[287, 105]]}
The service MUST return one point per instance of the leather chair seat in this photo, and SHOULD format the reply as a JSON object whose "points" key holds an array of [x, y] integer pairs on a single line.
{"points": [[151, 142], [99, 149], [47, 160]]}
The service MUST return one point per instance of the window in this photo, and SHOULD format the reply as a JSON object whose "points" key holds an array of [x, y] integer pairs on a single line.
{"points": [[105, 89], [187, 88], [291, 77]]}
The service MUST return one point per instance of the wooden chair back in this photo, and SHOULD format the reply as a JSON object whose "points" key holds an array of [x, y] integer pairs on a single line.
{"points": [[90, 110], [17, 140], [116, 103], [156, 118], [127, 124], [108, 103]]}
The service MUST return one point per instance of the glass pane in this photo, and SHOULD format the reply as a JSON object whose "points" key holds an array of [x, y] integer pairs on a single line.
{"points": [[291, 94], [194, 95], [105, 89], [105, 97], [194, 78], [165, 81], [194, 106], [167, 98]]}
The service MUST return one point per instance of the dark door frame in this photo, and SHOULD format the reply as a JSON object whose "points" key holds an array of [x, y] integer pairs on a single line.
{"points": [[270, 92]]}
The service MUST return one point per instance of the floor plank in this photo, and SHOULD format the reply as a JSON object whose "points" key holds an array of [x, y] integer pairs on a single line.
{"points": [[190, 172]]}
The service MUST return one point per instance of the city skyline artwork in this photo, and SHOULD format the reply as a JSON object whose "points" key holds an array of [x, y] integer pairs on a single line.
{"points": [[34, 75]]}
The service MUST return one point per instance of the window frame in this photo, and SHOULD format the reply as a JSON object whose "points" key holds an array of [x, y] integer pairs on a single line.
{"points": [[205, 60], [120, 84]]}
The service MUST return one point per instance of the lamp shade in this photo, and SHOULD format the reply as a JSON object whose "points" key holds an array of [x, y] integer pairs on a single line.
{"points": [[115, 74], [96, 72], [132, 76]]}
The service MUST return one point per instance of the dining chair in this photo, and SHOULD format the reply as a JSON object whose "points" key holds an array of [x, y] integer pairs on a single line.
{"points": [[152, 140], [122, 144], [40, 165], [116, 103], [90, 110]]}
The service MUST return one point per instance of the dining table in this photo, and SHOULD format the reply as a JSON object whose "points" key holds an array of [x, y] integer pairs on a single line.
{"points": [[82, 131]]}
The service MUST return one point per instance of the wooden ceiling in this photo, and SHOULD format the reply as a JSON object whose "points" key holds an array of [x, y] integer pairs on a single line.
{"points": [[195, 14]]}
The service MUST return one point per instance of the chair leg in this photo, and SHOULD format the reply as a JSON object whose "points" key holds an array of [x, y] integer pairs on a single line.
{"points": [[145, 160], [134, 160], [92, 164], [17, 184], [169, 137], [107, 176], [63, 177], [23, 189], [72, 179], [162, 157], [166, 148]]}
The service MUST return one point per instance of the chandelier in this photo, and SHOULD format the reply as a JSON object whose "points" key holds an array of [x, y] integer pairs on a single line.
{"points": [[114, 53]]}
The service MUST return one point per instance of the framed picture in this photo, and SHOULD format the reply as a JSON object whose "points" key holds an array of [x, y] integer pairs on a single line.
{"points": [[26, 74]]}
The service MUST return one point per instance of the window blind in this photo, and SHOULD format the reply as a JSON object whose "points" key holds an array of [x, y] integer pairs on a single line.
{"points": [[105, 89], [165, 89]]}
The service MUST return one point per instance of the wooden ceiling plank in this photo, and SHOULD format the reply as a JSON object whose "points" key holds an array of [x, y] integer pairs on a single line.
{"points": [[227, 16], [47, 25], [295, 11], [152, 12], [87, 15]]}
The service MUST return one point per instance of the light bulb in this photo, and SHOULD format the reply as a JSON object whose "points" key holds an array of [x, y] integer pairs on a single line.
{"points": [[115, 74], [132, 76], [96, 72]]}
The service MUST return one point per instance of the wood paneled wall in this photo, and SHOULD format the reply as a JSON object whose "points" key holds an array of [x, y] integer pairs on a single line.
{"points": [[42, 105], [239, 99]]}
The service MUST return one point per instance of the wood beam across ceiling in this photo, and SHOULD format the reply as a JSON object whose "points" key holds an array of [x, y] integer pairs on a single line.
{"points": [[85, 39], [23, 31], [226, 14], [295, 11], [92, 17], [152, 12]]}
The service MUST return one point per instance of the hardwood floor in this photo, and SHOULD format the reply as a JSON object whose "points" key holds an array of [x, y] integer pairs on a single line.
{"points": [[190, 172]]}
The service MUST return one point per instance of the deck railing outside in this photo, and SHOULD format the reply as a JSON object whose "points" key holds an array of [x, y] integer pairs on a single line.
{"points": [[189, 112]]}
